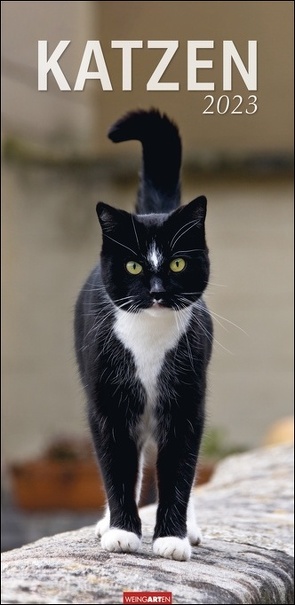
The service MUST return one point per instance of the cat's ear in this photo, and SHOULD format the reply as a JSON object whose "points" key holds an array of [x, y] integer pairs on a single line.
{"points": [[108, 216], [194, 211], [197, 209]]}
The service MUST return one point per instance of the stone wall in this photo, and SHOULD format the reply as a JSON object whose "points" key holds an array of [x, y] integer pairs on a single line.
{"points": [[246, 556]]}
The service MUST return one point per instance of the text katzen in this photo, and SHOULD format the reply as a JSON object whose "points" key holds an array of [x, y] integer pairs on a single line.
{"points": [[93, 52]]}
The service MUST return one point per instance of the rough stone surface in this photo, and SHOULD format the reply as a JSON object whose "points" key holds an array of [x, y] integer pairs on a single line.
{"points": [[246, 556]]}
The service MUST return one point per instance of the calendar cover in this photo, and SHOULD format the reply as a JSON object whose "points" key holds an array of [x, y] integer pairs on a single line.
{"points": [[222, 72]]}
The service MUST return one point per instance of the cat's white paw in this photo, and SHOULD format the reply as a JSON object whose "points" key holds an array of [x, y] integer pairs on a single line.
{"points": [[119, 540], [173, 548], [102, 526]]}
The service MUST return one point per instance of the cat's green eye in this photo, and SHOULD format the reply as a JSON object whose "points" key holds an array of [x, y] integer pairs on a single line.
{"points": [[177, 265], [133, 267]]}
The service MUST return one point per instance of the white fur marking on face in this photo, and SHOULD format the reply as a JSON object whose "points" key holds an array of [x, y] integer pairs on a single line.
{"points": [[154, 257]]}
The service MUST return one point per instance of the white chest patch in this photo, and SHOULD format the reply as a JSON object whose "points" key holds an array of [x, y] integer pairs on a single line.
{"points": [[149, 335]]}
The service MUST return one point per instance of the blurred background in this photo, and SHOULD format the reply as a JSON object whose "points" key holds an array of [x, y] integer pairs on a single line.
{"points": [[58, 162]]}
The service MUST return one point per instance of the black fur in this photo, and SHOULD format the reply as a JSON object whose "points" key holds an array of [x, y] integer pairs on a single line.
{"points": [[115, 395], [159, 189]]}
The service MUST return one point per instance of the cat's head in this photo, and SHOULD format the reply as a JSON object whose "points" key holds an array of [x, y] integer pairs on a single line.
{"points": [[154, 261]]}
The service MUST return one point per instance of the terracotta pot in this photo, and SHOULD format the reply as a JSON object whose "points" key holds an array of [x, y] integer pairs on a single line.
{"points": [[204, 472], [54, 485], [74, 485]]}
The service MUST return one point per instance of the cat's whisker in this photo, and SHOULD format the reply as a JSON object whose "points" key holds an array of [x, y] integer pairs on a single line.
{"points": [[122, 305], [93, 329], [120, 244], [177, 320], [134, 228], [192, 224], [187, 342], [98, 289], [227, 320], [204, 329], [213, 341], [180, 230], [212, 283], [126, 298], [186, 251], [100, 321]]}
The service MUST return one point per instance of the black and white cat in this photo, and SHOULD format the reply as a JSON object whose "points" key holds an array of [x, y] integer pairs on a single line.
{"points": [[143, 342]]}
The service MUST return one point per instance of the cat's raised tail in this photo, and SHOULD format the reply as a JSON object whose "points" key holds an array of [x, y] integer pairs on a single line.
{"points": [[159, 189]]}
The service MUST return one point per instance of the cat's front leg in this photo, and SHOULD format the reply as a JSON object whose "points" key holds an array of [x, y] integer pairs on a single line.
{"points": [[103, 524], [176, 528], [115, 539], [120, 540], [120, 529], [171, 547]]}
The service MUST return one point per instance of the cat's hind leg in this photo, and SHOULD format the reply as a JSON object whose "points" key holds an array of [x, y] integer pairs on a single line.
{"points": [[193, 531], [103, 524]]}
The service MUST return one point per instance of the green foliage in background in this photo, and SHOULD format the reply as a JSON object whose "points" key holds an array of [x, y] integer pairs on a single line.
{"points": [[215, 445]]}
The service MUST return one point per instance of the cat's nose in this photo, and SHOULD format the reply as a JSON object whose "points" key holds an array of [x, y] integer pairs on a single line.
{"points": [[157, 290]]}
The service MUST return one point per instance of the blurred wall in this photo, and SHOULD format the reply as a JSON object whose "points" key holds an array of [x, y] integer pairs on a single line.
{"points": [[52, 181], [59, 119]]}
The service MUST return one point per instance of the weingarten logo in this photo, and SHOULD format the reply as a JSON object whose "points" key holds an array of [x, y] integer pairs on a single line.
{"points": [[147, 597]]}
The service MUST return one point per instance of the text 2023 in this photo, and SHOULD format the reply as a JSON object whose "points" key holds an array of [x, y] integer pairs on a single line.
{"points": [[236, 105]]}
